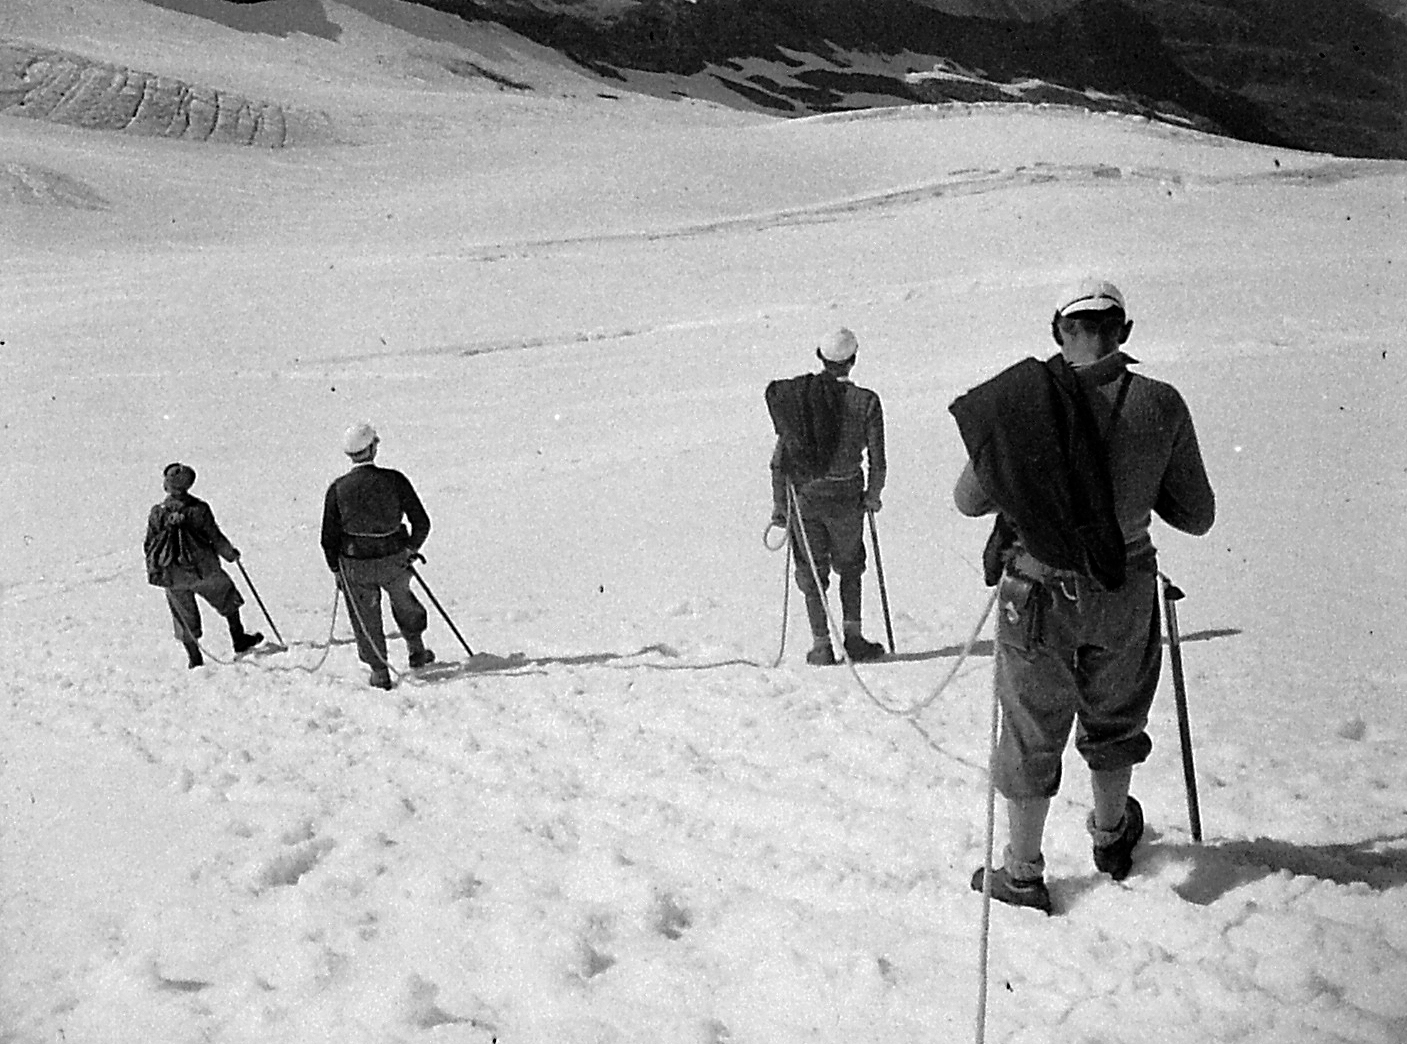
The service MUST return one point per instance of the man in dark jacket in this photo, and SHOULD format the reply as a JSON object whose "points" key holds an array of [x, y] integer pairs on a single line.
{"points": [[1075, 455], [826, 426], [183, 548], [368, 549]]}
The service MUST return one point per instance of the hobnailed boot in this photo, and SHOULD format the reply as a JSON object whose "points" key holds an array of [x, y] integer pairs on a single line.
{"points": [[419, 655], [380, 678], [1013, 891], [242, 640], [821, 654], [858, 647], [1113, 849], [193, 655]]}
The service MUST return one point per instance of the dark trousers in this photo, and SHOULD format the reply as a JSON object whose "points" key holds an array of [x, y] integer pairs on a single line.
{"points": [[363, 580], [832, 524], [219, 590]]}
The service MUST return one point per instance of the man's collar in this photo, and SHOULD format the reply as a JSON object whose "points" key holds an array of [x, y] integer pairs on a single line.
{"points": [[1104, 370]]}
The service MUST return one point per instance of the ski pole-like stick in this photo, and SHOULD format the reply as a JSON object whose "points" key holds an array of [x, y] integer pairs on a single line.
{"points": [[255, 592], [883, 591], [1171, 594], [436, 601]]}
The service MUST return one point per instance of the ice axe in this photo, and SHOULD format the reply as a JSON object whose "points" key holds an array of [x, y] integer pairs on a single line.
{"points": [[436, 601], [1171, 594], [255, 592], [879, 572]]}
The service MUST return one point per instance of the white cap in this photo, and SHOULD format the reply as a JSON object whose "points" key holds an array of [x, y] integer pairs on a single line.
{"points": [[839, 346], [1090, 295], [358, 438]]}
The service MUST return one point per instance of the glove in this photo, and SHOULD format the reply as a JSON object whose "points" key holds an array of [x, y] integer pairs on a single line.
{"points": [[779, 518], [871, 502], [234, 554], [416, 556]]}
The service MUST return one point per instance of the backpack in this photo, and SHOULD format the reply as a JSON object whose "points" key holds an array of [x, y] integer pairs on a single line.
{"points": [[172, 547], [807, 412]]}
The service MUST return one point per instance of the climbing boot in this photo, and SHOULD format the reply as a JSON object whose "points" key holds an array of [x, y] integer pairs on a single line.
{"points": [[242, 640], [1007, 889], [821, 654], [860, 648], [1115, 857]]}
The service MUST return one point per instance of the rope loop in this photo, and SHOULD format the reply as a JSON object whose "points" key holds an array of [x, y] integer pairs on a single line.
{"points": [[786, 534], [915, 709]]}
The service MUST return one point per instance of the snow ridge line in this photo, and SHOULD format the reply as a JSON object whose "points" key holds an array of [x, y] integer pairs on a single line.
{"points": [[58, 87], [965, 182]]}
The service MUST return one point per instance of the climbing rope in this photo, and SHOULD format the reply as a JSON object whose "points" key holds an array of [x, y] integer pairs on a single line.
{"points": [[912, 712], [793, 510], [985, 934], [361, 623], [191, 637], [786, 579], [327, 645]]}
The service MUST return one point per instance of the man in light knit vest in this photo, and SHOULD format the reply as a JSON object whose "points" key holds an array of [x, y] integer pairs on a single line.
{"points": [[1075, 455], [368, 549], [833, 424]]}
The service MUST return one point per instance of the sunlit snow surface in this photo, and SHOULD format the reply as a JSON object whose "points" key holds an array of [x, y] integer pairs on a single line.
{"points": [[618, 821]]}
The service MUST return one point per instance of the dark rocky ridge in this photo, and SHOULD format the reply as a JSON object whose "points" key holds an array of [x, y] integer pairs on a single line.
{"points": [[1313, 75], [1310, 74], [1329, 76]]}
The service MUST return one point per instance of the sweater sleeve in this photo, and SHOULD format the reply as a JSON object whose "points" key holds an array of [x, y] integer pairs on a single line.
{"points": [[874, 443], [969, 496], [415, 513], [331, 539], [1185, 498], [779, 481]]}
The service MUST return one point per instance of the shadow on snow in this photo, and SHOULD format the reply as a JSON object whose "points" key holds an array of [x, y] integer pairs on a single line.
{"points": [[985, 647], [1219, 868]]}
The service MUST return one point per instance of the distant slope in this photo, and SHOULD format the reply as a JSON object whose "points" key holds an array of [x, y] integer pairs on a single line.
{"points": [[1329, 76], [1314, 75]]}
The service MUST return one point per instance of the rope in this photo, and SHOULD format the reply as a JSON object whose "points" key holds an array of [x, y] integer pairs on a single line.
{"points": [[786, 535], [911, 713], [191, 636], [786, 606], [962, 657], [359, 622], [984, 941], [793, 509], [327, 645], [916, 708], [786, 580]]}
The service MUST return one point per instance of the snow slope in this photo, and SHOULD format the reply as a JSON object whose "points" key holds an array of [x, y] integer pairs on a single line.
{"points": [[618, 821]]}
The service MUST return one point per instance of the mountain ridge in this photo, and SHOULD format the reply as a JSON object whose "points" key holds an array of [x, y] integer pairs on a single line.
{"points": [[1280, 72]]}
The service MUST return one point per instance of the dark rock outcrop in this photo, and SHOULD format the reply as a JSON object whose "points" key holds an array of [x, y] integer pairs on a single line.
{"points": [[1304, 73]]}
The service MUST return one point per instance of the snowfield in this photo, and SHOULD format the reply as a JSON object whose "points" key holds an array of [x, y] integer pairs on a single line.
{"points": [[618, 821]]}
